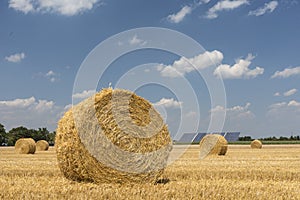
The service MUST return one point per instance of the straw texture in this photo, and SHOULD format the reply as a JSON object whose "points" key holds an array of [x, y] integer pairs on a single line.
{"points": [[256, 144], [213, 144], [25, 146], [42, 145], [113, 136]]}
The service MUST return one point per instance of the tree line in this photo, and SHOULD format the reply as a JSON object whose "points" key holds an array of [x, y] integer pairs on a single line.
{"points": [[9, 138], [280, 138]]}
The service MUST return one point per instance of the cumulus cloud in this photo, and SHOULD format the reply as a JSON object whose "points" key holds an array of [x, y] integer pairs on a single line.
{"points": [[18, 103], [267, 8], [84, 94], [168, 103], [137, 41], [286, 73], [191, 114], [185, 65], [239, 70], [180, 15], [51, 76], [15, 58], [276, 94], [234, 113], [24, 6], [204, 1], [290, 92], [291, 105], [32, 103], [30, 112], [287, 109], [283, 117], [224, 6], [63, 7], [231, 109]]}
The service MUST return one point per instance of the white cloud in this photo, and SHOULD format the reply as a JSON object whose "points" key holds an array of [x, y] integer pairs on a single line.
{"points": [[204, 1], [235, 112], [191, 114], [224, 5], [43, 105], [15, 57], [292, 105], [63, 7], [137, 41], [31, 103], [278, 110], [29, 112], [186, 65], [286, 73], [268, 7], [232, 109], [276, 94], [84, 94], [18, 103], [50, 75], [179, 16], [67, 107], [168, 103], [290, 92], [283, 117], [24, 6], [239, 70]]}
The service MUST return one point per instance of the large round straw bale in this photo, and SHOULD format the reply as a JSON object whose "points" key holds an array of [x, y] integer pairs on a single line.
{"points": [[113, 136], [256, 144], [25, 146], [42, 145], [213, 144]]}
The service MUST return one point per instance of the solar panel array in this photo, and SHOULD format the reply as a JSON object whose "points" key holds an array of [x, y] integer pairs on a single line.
{"points": [[199, 137], [232, 136], [196, 137]]}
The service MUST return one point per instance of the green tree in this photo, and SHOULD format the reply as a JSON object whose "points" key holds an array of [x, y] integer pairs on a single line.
{"points": [[51, 138], [16, 133], [40, 134], [2, 135], [245, 138]]}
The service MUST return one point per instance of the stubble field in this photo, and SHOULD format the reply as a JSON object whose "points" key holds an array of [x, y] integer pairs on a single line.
{"points": [[244, 173]]}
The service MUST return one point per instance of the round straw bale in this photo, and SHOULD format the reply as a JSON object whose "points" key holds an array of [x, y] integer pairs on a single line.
{"points": [[42, 145], [256, 144], [25, 146], [213, 144], [113, 136]]}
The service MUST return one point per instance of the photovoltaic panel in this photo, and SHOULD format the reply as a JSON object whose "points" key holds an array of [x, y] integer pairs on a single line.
{"points": [[232, 136]]}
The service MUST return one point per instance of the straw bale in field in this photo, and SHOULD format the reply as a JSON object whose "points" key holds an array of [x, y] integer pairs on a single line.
{"points": [[42, 145], [25, 146], [256, 144], [113, 136], [213, 144]]}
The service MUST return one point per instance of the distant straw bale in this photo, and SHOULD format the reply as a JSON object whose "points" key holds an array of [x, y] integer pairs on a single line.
{"points": [[114, 136], [256, 144], [42, 145], [213, 144], [25, 146]]}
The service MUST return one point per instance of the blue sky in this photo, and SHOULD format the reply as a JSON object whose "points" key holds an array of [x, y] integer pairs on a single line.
{"points": [[254, 45]]}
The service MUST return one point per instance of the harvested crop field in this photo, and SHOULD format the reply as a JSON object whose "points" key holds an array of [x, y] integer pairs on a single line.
{"points": [[272, 172]]}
